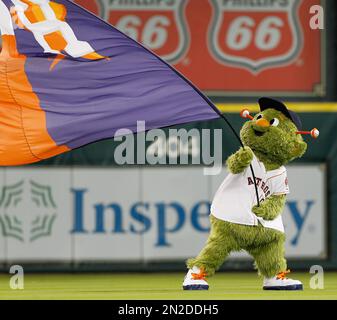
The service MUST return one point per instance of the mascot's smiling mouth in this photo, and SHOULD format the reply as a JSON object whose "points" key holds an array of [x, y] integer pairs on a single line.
{"points": [[258, 133]]}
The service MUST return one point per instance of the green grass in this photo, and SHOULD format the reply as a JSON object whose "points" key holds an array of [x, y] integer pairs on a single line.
{"points": [[156, 286]]}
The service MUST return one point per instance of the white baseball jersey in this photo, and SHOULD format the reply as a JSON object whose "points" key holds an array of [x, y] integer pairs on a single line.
{"points": [[235, 198]]}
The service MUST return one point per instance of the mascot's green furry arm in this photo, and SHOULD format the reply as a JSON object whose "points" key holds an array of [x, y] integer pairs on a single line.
{"points": [[271, 139], [272, 206], [240, 160]]}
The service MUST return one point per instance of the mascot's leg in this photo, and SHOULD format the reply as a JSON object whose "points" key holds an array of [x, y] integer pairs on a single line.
{"points": [[268, 252], [219, 245]]}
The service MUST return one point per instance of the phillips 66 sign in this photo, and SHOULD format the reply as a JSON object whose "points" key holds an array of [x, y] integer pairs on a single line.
{"points": [[255, 39], [228, 47]]}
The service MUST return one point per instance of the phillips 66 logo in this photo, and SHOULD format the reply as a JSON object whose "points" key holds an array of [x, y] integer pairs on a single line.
{"points": [[255, 37], [158, 25]]}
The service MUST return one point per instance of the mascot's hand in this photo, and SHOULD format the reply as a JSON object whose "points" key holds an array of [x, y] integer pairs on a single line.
{"points": [[271, 207], [240, 160], [260, 211]]}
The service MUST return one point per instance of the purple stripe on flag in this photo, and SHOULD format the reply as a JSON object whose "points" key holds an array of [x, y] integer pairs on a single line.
{"points": [[86, 101]]}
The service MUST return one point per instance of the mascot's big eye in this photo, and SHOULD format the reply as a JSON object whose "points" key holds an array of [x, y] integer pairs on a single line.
{"points": [[274, 122], [259, 117]]}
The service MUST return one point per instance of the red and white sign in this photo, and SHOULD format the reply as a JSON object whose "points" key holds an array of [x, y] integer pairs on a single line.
{"points": [[228, 47], [245, 37]]}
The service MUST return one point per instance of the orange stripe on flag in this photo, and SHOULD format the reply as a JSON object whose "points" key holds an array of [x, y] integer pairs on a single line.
{"points": [[24, 137]]}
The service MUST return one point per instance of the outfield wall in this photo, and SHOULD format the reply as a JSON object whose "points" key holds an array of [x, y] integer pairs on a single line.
{"points": [[136, 215], [81, 211]]}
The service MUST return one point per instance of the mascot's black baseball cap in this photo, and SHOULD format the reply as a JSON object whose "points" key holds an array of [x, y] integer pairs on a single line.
{"points": [[267, 103]]}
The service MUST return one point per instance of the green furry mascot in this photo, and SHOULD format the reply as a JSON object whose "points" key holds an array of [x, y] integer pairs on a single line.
{"points": [[271, 140]]}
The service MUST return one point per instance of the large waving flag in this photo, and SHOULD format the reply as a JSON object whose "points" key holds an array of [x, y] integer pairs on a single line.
{"points": [[68, 78]]}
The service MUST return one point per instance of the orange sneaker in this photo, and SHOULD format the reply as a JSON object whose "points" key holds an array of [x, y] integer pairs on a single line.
{"points": [[195, 279], [281, 282]]}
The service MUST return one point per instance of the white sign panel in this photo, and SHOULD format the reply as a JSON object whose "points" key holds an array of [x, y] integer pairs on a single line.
{"points": [[305, 214], [102, 227], [136, 215], [34, 214]]}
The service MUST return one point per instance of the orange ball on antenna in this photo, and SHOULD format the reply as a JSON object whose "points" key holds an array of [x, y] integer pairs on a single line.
{"points": [[246, 114], [314, 133]]}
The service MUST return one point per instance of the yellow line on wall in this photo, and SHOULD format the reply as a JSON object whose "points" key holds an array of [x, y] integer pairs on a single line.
{"points": [[295, 106]]}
